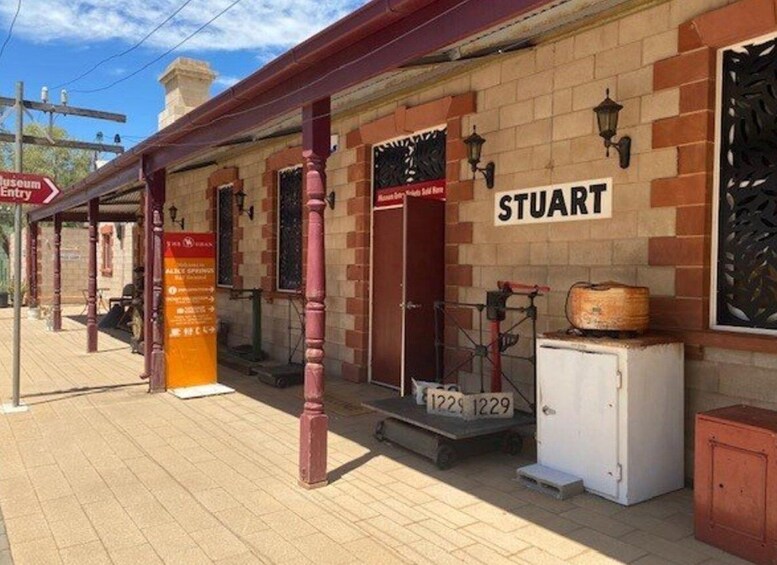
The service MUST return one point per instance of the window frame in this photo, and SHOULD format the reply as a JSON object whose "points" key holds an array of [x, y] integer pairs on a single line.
{"points": [[277, 234], [715, 224], [231, 187], [106, 249]]}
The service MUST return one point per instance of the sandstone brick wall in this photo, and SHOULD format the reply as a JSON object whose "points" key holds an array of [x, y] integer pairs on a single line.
{"points": [[74, 257], [534, 108]]}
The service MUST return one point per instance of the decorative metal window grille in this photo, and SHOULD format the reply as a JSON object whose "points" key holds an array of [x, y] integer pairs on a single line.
{"points": [[224, 230], [746, 263], [409, 160], [290, 229]]}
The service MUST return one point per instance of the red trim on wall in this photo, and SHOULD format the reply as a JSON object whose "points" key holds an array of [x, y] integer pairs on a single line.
{"points": [[692, 132], [404, 120], [288, 157]]}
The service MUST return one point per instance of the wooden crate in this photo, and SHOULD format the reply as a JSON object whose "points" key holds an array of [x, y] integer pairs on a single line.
{"points": [[735, 483]]}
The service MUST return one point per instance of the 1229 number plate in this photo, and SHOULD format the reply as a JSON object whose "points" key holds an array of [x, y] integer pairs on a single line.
{"points": [[470, 406]]}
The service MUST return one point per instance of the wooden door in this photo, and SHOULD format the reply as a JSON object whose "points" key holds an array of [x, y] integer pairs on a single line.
{"points": [[386, 328], [424, 283]]}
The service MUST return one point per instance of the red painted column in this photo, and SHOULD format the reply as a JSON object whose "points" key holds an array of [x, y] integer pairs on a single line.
{"points": [[154, 339], [56, 307], [314, 422], [32, 287], [91, 288], [148, 280]]}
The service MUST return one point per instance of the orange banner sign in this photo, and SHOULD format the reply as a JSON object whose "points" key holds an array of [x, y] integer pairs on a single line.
{"points": [[190, 309]]}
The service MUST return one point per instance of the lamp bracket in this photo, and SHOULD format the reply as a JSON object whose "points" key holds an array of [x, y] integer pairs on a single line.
{"points": [[623, 147], [488, 172]]}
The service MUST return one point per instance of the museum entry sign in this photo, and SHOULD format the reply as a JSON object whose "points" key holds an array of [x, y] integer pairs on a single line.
{"points": [[580, 200]]}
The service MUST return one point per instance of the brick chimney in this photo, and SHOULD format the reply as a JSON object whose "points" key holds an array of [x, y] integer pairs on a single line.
{"points": [[187, 85]]}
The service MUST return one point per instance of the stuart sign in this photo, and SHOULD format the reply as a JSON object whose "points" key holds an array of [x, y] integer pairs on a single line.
{"points": [[583, 200], [24, 188]]}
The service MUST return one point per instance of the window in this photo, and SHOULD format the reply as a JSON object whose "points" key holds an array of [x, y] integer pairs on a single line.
{"points": [[106, 251], [289, 229], [224, 231], [744, 271]]}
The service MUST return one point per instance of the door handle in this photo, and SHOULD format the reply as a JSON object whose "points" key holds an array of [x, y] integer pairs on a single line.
{"points": [[548, 411], [410, 305]]}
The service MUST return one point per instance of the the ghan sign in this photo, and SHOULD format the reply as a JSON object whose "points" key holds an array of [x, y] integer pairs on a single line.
{"points": [[583, 200], [25, 188]]}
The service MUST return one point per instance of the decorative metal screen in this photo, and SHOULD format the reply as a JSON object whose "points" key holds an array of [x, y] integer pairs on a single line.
{"points": [[746, 293], [225, 230], [290, 229], [410, 160]]}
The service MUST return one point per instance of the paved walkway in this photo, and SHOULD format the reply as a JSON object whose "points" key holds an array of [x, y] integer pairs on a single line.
{"points": [[98, 471]]}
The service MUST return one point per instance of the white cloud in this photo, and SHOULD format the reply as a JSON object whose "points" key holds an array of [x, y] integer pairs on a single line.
{"points": [[226, 80], [251, 24]]}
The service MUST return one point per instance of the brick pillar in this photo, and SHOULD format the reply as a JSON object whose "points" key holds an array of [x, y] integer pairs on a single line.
{"points": [[314, 422], [359, 208], [56, 308], [91, 300]]}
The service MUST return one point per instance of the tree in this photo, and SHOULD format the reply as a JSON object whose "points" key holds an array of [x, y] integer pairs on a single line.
{"points": [[64, 166]]}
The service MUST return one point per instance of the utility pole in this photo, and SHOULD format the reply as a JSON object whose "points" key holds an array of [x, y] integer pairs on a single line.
{"points": [[20, 106], [17, 247]]}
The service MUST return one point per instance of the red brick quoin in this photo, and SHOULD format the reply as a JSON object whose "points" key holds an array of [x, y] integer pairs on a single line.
{"points": [[692, 132], [404, 121]]}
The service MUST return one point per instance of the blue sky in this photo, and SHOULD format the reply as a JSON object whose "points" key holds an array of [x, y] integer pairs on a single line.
{"points": [[55, 41]]}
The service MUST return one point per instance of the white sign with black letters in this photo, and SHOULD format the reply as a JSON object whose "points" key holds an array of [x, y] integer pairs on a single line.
{"points": [[583, 200]]}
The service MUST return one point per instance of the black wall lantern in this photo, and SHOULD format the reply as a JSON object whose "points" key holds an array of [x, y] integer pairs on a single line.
{"points": [[474, 145], [330, 200], [174, 214], [240, 200], [607, 119]]}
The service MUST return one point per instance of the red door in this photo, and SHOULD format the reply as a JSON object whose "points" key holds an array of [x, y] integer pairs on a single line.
{"points": [[424, 284], [408, 277], [386, 327]]}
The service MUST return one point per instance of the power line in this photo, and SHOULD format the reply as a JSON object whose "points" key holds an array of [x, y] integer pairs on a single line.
{"points": [[10, 28], [126, 51], [193, 127], [163, 55]]}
